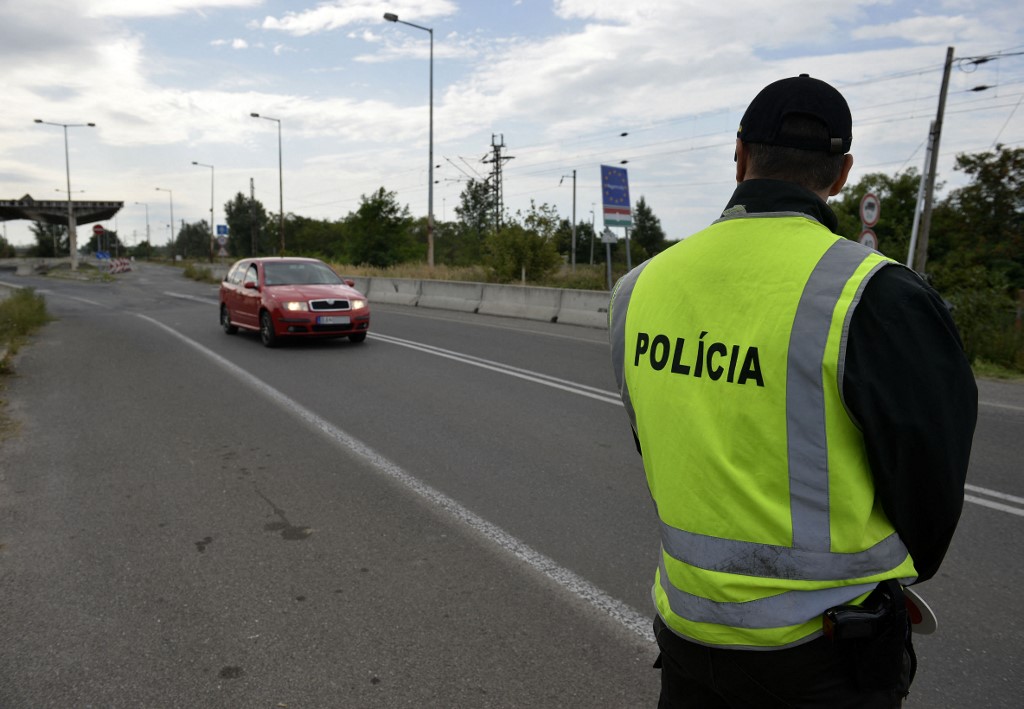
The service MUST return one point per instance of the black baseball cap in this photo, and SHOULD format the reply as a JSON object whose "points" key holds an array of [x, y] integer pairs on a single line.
{"points": [[800, 94]]}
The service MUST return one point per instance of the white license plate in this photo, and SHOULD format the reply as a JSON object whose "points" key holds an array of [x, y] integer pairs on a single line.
{"points": [[334, 320]]}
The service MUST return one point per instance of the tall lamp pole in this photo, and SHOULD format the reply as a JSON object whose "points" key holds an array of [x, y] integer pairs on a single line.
{"points": [[72, 229], [147, 221], [280, 181], [573, 217], [392, 17], [170, 197], [211, 204]]}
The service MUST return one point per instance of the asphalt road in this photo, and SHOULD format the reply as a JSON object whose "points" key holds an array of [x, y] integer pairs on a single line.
{"points": [[450, 514]]}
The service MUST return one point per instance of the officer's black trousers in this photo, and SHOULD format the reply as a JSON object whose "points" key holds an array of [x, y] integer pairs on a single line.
{"points": [[814, 674]]}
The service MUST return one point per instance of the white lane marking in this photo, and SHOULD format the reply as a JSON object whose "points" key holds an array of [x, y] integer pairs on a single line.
{"points": [[993, 493], [995, 505], [1019, 511], [1011, 407], [607, 397], [572, 582], [421, 313], [196, 298], [83, 300]]}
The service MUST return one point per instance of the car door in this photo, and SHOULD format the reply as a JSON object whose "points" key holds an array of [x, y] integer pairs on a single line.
{"points": [[229, 289], [249, 296]]}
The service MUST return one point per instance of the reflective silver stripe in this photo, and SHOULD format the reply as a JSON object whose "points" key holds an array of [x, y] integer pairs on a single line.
{"points": [[778, 611], [617, 308], [807, 443], [770, 561]]}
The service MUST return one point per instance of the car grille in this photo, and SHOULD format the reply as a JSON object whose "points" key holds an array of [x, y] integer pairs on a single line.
{"points": [[328, 304]]}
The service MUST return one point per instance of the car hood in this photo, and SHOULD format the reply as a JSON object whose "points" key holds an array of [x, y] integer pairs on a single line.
{"points": [[312, 292]]}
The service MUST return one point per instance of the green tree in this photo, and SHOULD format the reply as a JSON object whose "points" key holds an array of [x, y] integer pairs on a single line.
{"points": [[464, 244], [988, 228], [143, 250], [647, 232], [248, 232], [380, 233], [51, 239], [316, 237], [527, 250], [193, 240], [6, 248]]}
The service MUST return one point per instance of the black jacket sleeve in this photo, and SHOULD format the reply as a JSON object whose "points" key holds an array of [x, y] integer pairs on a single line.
{"points": [[909, 386]]}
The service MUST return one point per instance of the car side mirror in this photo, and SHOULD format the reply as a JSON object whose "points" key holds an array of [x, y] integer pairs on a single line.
{"points": [[350, 283], [251, 285]]}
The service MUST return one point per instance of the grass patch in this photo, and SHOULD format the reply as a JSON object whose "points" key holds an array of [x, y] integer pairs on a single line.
{"points": [[203, 274], [988, 370], [21, 313]]}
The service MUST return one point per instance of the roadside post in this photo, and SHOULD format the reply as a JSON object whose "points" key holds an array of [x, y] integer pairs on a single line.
{"points": [[608, 238]]}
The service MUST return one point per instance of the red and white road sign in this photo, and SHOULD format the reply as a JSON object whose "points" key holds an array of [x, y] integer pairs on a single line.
{"points": [[870, 209], [869, 239]]}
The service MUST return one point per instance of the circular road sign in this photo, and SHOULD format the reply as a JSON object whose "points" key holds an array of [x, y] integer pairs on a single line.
{"points": [[870, 209], [869, 239], [98, 230]]}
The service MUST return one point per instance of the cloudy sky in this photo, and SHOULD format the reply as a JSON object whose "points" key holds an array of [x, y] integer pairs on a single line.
{"points": [[169, 82]]}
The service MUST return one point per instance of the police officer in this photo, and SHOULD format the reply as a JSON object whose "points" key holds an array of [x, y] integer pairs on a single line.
{"points": [[805, 412]]}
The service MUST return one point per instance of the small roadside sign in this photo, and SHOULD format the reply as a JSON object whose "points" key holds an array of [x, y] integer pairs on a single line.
{"points": [[98, 230], [869, 239], [608, 237], [870, 209]]}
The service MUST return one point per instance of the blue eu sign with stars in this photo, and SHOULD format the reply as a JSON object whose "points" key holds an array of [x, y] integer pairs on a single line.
{"points": [[615, 196]]}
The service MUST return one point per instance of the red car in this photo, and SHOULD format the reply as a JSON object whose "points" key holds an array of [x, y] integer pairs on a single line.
{"points": [[291, 297]]}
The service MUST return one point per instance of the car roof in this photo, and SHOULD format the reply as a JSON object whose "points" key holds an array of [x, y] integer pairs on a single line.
{"points": [[284, 259]]}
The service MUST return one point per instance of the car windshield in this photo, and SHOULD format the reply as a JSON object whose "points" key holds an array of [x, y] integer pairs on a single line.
{"points": [[287, 274]]}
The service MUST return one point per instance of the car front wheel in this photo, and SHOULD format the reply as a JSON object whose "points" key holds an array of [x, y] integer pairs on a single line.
{"points": [[267, 330], [225, 321]]}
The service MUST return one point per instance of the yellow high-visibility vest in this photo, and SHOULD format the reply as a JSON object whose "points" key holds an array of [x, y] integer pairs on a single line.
{"points": [[729, 350]]}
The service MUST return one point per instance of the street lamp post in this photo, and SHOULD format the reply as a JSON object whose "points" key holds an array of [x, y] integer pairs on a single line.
{"points": [[211, 204], [280, 181], [170, 198], [392, 17], [72, 230], [573, 217], [147, 221]]}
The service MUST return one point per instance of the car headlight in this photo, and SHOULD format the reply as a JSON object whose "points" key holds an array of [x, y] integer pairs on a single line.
{"points": [[358, 304], [295, 305]]}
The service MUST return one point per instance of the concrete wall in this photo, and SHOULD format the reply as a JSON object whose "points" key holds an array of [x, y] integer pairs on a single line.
{"points": [[573, 307]]}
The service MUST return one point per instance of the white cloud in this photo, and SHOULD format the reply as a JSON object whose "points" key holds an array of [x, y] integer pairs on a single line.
{"points": [[157, 8], [342, 13], [928, 30]]}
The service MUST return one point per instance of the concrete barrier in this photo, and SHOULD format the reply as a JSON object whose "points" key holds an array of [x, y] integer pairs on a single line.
{"points": [[520, 302], [362, 283], [451, 295], [396, 291], [584, 307]]}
